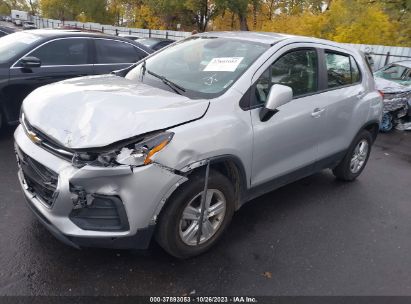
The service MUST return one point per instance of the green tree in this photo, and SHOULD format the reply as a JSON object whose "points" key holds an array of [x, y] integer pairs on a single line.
{"points": [[203, 11]]}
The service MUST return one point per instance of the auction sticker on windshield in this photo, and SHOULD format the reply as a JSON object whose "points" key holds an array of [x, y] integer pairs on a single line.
{"points": [[223, 64]]}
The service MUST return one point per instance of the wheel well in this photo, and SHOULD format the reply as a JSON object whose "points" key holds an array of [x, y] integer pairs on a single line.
{"points": [[373, 128], [234, 173], [231, 168]]}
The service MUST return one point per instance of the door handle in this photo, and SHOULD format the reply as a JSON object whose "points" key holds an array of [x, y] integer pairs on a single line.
{"points": [[361, 94], [317, 112]]}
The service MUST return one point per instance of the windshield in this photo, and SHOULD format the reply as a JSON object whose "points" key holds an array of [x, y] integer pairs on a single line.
{"points": [[397, 73], [205, 67], [13, 44]]}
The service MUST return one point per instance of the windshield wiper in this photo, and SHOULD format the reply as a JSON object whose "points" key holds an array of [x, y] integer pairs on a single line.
{"points": [[175, 87]]}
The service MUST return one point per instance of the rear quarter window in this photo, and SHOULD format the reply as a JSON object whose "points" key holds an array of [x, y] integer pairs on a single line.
{"points": [[342, 70]]}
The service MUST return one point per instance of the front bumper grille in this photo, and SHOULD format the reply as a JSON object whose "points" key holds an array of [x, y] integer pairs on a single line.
{"points": [[40, 180], [105, 213]]}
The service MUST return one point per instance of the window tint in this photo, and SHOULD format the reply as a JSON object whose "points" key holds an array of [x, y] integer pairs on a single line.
{"points": [[297, 69], [355, 71], [111, 51], [63, 52]]}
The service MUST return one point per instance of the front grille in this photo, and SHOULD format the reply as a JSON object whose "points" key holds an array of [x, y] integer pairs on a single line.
{"points": [[40, 180], [45, 142]]}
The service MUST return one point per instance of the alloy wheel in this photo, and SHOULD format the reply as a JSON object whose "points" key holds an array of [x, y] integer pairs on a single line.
{"points": [[215, 209], [359, 156]]}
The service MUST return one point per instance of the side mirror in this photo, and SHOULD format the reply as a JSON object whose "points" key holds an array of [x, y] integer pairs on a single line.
{"points": [[278, 96], [30, 62]]}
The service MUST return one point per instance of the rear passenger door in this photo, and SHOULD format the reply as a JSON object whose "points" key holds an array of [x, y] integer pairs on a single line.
{"points": [[111, 55], [343, 91]]}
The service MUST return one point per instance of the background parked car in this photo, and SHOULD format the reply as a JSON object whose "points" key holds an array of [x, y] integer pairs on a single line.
{"points": [[28, 25], [4, 30], [394, 81], [31, 59], [156, 43]]}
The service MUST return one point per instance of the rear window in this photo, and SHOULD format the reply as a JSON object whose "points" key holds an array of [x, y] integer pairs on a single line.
{"points": [[112, 51]]}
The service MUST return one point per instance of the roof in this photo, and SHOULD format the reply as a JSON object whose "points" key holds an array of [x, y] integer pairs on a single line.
{"points": [[262, 37], [272, 38], [48, 34]]}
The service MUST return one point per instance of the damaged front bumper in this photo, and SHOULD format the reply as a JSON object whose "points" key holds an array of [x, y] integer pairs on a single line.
{"points": [[111, 207], [397, 102]]}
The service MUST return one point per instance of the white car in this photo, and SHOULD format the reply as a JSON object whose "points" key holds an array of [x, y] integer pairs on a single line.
{"points": [[28, 25]]}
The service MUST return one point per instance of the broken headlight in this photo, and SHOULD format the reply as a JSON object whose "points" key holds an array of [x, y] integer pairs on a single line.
{"points": [[138, 154]]}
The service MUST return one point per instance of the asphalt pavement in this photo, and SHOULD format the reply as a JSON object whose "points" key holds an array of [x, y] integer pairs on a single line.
{"points": [[317, 236]]}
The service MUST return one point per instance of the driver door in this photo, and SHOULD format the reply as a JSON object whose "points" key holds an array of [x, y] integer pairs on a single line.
{"points": [[285, 147]]}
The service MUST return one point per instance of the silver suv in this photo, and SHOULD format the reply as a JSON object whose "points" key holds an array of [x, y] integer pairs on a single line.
{"points": [[172, 146]]}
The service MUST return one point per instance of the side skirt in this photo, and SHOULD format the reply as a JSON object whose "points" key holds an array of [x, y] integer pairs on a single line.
{"points": [[326, 163]]}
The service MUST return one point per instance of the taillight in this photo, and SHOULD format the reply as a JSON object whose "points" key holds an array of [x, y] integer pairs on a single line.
{"points": [[381, 93]]}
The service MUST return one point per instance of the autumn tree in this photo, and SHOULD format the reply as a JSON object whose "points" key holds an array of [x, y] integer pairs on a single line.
{"points": [[7, 5]]}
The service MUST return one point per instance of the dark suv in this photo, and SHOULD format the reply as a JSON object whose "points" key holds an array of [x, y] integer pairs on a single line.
{"points": [[32, 59]]}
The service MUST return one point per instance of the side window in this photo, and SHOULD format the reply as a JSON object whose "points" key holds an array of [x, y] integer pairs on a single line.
{"points": [[111, 51], [297, 69], [63, 52], [338, 70], [355, 71]]}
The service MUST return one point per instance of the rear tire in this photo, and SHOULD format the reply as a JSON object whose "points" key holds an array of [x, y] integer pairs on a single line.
{"points": [[356, 158], [174, 227]]}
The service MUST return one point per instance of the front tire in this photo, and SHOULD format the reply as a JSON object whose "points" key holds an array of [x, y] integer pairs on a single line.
{"points": [[387, 123], [178, 223], [356, 158]]}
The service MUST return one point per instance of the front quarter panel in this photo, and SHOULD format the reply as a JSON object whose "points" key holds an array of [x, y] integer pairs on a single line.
{"points": [[225, 130]]}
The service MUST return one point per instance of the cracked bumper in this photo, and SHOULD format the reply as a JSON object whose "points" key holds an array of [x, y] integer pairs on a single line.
{"points": [[142, 192]]}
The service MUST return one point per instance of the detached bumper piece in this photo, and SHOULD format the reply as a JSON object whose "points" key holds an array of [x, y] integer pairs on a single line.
{"points": [[105, 213]]}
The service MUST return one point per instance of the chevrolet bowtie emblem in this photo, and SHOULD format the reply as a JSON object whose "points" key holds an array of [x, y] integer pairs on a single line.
{"points": [[34, 138]]}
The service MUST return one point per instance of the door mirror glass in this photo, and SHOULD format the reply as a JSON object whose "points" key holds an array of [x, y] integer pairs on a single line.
{"points": [[30, 62], [279, 95]]}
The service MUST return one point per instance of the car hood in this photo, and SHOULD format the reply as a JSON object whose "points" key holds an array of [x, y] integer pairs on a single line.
{"points": [[93, 112], [390, 87]]}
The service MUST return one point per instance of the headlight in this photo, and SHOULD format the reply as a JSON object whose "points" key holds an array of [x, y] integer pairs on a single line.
{"points": [[138, 154]]}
